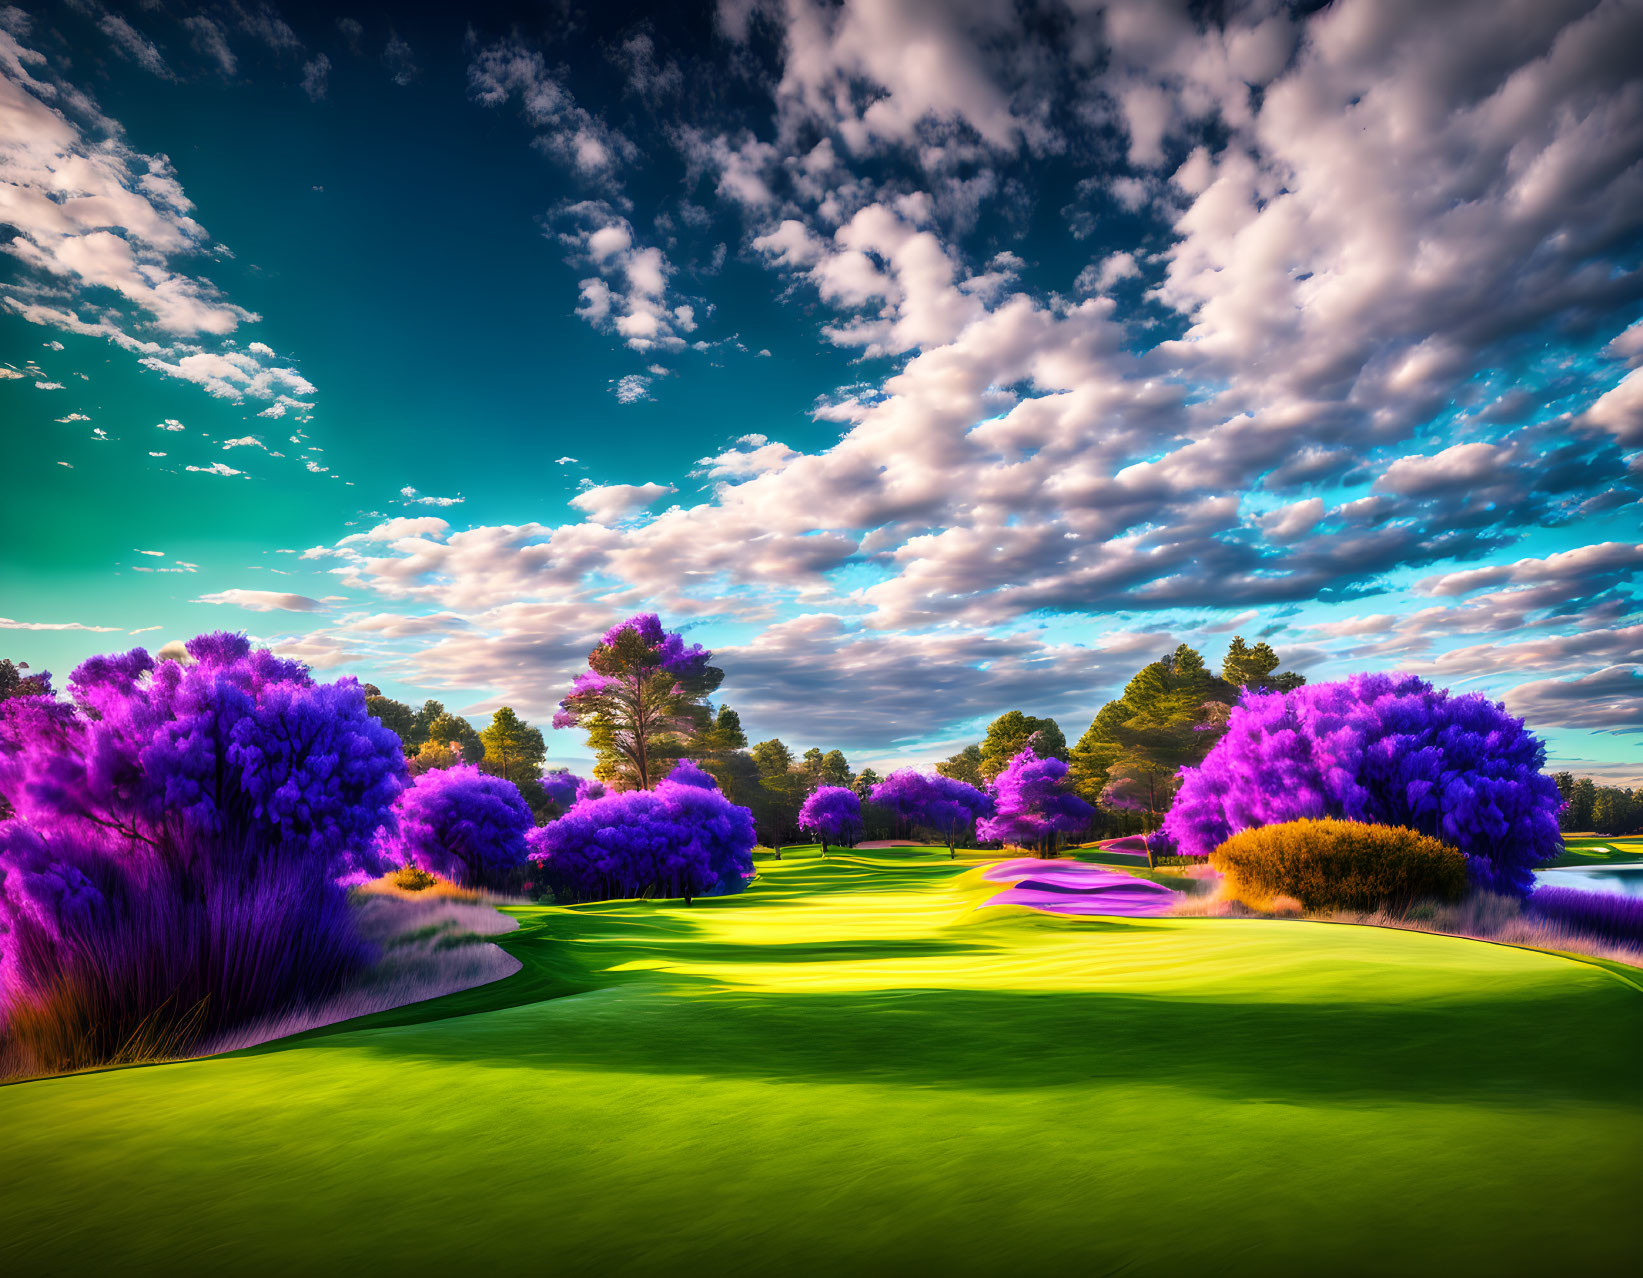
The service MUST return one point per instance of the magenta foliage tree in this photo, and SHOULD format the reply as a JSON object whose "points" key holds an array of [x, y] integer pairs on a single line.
{"points": [[1033, 803], [641, 698], [680, 839], [1381, 748], [179, 818], [833, 814], [462, 825], [944, 804]]}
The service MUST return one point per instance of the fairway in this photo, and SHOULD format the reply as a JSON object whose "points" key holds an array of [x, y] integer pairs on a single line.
{"points": [[850, 1069]]}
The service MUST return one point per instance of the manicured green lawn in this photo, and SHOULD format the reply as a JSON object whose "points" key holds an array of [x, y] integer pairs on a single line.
{"points": [[850, 1070], [1615, 850]]}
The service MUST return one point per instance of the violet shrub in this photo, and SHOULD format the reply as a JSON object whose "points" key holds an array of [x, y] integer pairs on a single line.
{"points": [[172, 866], [680, 839], [1383, 749], [463, 825]]}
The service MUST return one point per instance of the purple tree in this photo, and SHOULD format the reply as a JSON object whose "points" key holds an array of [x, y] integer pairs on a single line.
{"points": [[1033, 803], [944, 804], [680, 839], [565, 789], [178, 835], [687, 773], [640, 698], [1381, 748], [833, 814], [462, 825]]}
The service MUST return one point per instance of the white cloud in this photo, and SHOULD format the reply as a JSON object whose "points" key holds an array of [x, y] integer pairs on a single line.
{"points": [[6, 623], [215, 468], [412, 497], [90, 213], [263, 601], [611, 503]]}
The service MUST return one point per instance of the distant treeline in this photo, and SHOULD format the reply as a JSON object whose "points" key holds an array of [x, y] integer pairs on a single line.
{"points": [[1603, 809]]}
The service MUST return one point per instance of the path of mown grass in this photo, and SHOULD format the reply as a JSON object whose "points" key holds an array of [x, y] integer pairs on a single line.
{"points": [[849, 1070]]}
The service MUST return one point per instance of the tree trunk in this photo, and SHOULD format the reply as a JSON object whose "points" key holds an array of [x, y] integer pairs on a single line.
{"points": [[824, 849]]}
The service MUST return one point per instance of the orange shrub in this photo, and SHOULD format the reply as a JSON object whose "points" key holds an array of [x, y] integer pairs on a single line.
{"points": [[1339, 865]]}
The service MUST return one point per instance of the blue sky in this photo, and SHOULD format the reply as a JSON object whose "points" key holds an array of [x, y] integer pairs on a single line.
{"points": [[926, 361]]}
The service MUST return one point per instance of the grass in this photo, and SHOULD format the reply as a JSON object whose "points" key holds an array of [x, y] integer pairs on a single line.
{"points": [[1621, 849], [848, 1069]]}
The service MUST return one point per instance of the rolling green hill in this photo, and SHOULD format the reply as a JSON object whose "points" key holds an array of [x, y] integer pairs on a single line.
{"points": [[852, 1069]]}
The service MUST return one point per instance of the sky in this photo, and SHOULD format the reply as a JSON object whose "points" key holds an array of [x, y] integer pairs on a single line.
{"points": [[926, 359]]}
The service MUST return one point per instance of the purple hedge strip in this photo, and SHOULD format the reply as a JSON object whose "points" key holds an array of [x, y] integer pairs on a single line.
{"points": [[462, 825], [833, 814], [1604, 914], [675, 840], [1032, 803], [1385, 749]]}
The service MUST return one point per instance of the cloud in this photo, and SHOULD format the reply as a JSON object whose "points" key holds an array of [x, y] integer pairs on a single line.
{"points": [[73, 417], [6, 623], [412, 497], [132, 45], [508, 70], [215, 468], [631, 389], [614, 502], [95, 218], [316, 76], [629, 294], [400, 60], [263, 601], [1607, 700], [211, 41]]}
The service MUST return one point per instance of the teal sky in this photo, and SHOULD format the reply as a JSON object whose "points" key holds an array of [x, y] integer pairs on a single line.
{"points": [[925, 361]]}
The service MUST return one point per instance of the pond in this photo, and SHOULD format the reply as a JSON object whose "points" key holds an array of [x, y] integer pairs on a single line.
{"points": [[1616, 880]]}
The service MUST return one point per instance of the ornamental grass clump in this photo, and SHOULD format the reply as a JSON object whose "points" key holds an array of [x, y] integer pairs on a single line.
{"points": [[173, 866], [1338, 865], [1605, 915]]}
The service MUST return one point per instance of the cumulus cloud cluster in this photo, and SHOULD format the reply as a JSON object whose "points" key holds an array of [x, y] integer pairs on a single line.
{"points": [[1369, 215], [106, 234]]}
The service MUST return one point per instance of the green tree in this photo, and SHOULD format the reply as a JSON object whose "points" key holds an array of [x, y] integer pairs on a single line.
{"points": [[1582, 801], [423, 719], [446, 729], [835, 769], [1171, 713], [964, 766], [1256, 668], [1009, 734], [772, 758], [396, 716], [14, 683], [513, 748], [782, 791]]}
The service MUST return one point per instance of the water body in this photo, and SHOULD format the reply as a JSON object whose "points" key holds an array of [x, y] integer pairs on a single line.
{"points": [[1616, 880]]}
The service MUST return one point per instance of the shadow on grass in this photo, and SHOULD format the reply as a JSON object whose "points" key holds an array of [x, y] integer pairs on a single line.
{"points": [[1506, 1052]]}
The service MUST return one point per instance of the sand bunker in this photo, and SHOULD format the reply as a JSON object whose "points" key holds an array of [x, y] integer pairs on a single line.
{"points": [[1072, 887]]}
